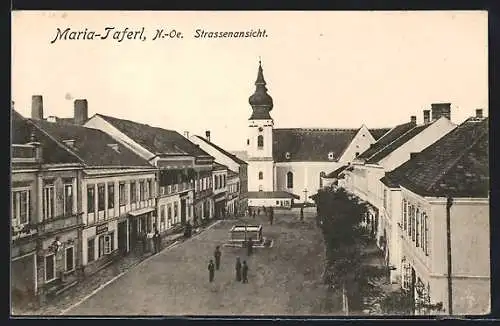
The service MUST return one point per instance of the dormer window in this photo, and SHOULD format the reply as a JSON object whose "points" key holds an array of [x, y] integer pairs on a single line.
{"points": [[288, 155], [330, 156], [69, 142]]}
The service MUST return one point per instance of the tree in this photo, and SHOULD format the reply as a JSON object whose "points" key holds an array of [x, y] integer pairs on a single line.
{"points": [[347, 239]]}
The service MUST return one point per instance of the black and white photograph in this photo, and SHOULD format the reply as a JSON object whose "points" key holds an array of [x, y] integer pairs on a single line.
{"points": [[249, 163]]}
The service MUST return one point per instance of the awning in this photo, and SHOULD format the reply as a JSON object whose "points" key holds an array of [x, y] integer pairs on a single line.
{"points": [[141, 211]]}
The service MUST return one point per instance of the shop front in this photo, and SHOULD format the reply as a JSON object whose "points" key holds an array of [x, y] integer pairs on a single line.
{"points": [[100, 245], [140, 225]]}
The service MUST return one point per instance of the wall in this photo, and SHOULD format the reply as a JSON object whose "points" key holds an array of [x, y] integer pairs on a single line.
{"points": [[418, 143], [253, 133], [306, 175], [359, 144], [90, 233], [217, 174], [166, 201]]}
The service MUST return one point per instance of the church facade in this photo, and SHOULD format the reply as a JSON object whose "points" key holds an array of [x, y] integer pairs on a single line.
{"points": [[293, 161]]}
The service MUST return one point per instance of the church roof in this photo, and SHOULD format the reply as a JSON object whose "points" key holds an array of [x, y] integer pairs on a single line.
{"points": [[377, 133], [300, 144], [455, 165], [260, 100], [156, 140]]}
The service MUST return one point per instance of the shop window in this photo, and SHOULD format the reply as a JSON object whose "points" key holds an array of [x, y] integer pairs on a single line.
{"points": [[69, 258], [91, 250], [50, 268]]}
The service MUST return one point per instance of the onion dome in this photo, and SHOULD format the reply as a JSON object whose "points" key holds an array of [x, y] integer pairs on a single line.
{"points": [[260, 101]]}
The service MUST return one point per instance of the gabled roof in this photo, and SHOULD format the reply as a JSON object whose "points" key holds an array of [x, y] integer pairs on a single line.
{"points": [[384, 152], [223, 151], [378, 132], [52, 152], [335, 174], [456, 165], [311, 144], [386, 139], [158, 141], [91, 146]]}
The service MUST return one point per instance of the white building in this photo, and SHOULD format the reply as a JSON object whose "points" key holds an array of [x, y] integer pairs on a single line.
{"points": [[443, 190], [294, 160]]}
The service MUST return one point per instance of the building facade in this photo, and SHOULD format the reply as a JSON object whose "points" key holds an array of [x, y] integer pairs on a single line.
{"points": [[219, 186]]}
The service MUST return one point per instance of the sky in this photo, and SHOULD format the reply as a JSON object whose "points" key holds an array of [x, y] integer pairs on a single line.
{"points": [[323, 69]]}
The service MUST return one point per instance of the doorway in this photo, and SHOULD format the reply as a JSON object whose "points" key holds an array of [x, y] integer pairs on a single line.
{"points": [[122, 237]]}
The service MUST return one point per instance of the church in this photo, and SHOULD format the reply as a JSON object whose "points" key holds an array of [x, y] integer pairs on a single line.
{"points": [[287, 166]]}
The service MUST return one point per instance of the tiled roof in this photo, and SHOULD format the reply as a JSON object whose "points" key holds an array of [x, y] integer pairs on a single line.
{"points": [[271, 194], [386, 139], [156, 140], [378, 132], [456, 165], [219, 167], [311, 144], [92, 146], [396, 143], [335, 174], [223, 151], [52, 152]]}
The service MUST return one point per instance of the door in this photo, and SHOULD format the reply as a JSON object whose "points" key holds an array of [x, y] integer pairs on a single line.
{"points": [[133, 231], [122, 237], [183, 211]]}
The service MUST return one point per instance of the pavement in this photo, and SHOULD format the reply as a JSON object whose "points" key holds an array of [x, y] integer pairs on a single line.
{"points": [[283, 280]]}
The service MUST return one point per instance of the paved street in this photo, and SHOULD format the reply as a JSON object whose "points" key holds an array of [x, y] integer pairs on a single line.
{"points": [[284, 279]]}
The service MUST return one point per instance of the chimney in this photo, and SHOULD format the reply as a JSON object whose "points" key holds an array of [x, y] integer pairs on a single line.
{"points": [[427, 116], [413, 155], [186, 134], [441, 110], [37, 107], [413, 119], [81, 114], [479, 113], [207, 135]]}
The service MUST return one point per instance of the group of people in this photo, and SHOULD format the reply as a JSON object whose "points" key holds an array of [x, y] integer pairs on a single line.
{"points": [[268, 211], [240, 269]]}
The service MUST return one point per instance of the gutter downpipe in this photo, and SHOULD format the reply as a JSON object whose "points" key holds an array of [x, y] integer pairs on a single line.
{"points": [[449, 203]]}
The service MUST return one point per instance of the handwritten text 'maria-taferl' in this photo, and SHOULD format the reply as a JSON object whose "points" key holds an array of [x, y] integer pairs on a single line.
{"points": [[112, 33]]}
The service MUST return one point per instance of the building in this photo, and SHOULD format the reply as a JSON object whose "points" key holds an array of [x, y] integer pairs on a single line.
{"points": [[46, 215], [294, 160], [117, 189], [389, 152], [443, 190], [219, 186], [184, 176], [237, 173]]}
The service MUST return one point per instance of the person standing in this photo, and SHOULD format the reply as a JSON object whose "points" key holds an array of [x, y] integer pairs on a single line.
{"points": [[249, 247], [211, 271], [301, 213], [271, 216], [157, 241], [217, 255], [244, 272], [253, 213], [238, 269]]}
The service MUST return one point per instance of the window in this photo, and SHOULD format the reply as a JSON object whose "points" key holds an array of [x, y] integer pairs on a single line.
{"points": [[69, 258], [122, 195], [20, 207], [289, 180], [141, 191], [261, 188], [162, 214], [404, 215], [248, 141], [111, 195], [261, 175], [106, 245], [176, 208], [169, 209], [48, 201], [237, 187], [426, 234], [417, 228], [385, 199], [260, 141], [413, 223], [216, 182], [50, 268], [150, 188], [101, 194], [91, 250], [133, 192], [68, 199], [91, 199], [221, 181]]}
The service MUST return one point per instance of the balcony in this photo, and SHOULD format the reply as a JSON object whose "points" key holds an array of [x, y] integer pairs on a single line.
{"points": [[176, 188], [59, 223]]}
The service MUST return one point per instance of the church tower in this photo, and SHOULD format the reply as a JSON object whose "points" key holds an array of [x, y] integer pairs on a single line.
{"points": [[260, 138]]}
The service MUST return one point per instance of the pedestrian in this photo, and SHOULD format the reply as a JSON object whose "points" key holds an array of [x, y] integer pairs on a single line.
{"points": [[217, 255], [271, 216], [238, 269], [244, 273], [264, 209], [301, 213], [157, 241], [254, 213], [258, 211], [249, 247], [211, 271]]}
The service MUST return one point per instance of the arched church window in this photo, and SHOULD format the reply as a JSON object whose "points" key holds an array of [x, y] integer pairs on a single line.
{"points": [[289, 180], [261, 175], [260, 141]]}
